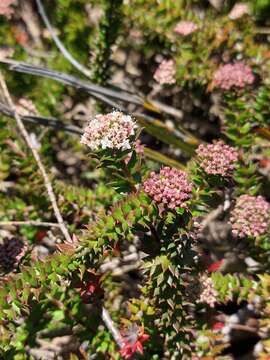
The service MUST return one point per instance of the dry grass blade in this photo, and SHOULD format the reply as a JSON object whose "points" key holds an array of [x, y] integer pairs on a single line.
{"points": [[37, 158], [71, 80]]}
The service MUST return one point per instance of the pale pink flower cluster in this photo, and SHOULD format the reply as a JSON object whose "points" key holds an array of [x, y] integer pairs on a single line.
{"points": [[11, 252], [110, 131], [185, 28], [165, 73], [170, 187], [6, 52], [239, 10], [26, 107], [250, 216], [233, 75], [217, 158], [5, 7], [209, 293]]}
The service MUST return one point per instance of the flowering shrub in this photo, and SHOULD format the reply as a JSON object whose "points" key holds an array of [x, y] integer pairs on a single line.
{"points": [[126, 230]]}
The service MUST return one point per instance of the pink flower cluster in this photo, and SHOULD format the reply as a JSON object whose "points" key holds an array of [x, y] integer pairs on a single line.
{"points": [[165, 73], [233, 75], [26, 107], [238, 11], [209, 293], [185, 28], [110, 131], [217, 158], [250, 216], [170, 187], [11, 252], [5, 7]]}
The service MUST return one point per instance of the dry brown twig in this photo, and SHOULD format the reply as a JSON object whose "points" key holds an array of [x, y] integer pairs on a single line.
{"points": [[36, 155], [29, 222]]}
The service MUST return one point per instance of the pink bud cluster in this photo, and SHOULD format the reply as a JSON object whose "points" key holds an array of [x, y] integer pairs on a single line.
{"points": [[217, 158], [11, 252], [170, 187], [165, 73], [233, 75], [5, 7], [238, 11], [26, 107], [209, 293], [250, 216], [185, 28], [110, 131]]}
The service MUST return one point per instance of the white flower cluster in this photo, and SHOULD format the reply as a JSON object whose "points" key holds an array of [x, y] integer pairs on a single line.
{"points": [[110, 131]]}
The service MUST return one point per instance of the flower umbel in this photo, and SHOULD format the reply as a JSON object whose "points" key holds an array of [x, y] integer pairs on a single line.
{"points": [[233, 75], [217, 158], [238, 11], [165, 73], [133, 338], [250, 216], [170, 187], [185, 28], [208, 294], [110, 131], [5, 7], [26, 107]]}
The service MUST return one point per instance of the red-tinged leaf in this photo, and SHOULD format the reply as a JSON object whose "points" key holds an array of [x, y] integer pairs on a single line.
{"points": [[138, 346], [40, 235], [144, 337], [215, 266], [218, 326], [264, 163]]}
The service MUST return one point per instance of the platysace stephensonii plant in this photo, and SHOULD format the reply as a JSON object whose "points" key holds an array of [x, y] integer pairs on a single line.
{"points": [[217, 158], [250, 216], [170, 188], [165, 73], [185, 28], [236, 75]]}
